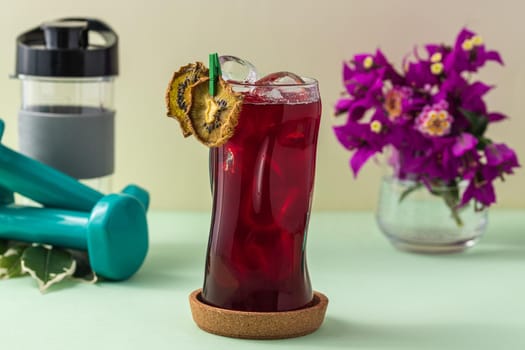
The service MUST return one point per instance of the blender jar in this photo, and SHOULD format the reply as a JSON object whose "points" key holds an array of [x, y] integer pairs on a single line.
{"points": [[67, 69]]}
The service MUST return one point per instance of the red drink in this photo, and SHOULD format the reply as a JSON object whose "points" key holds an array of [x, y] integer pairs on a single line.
{"points": [[263, 184]]}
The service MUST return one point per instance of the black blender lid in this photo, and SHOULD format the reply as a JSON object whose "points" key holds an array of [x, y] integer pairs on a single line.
{"points": [[61, 48]]}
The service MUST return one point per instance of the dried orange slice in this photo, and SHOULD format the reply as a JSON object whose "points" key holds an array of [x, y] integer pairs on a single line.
{"points": [[214, 118], [178, 94]]}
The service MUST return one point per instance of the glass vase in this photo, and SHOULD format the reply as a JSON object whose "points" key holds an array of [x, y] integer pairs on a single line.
{"points": [[416, 220]]}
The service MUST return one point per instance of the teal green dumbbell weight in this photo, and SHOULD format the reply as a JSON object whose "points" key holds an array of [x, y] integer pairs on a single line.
{"points": [[48, 186], [115, 233]]}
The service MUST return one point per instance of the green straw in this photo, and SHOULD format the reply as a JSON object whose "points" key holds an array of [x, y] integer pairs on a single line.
{"points": [[215, 72]]}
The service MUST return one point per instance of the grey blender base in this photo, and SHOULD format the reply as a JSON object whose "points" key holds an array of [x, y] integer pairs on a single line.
{"points": [[78, 144]]}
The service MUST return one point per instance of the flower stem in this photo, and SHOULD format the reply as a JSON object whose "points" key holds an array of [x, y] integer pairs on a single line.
{"points": [[452, 200], [456, 217]]}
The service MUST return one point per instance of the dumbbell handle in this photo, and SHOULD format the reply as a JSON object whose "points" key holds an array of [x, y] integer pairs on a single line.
{"points": [[63, 228], [48, 186]]}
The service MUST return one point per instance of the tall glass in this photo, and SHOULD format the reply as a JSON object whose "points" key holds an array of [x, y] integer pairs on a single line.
{"points": [[263, 180]]}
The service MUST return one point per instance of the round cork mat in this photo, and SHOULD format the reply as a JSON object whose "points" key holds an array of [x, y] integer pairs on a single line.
{"points": [[258, 325]]}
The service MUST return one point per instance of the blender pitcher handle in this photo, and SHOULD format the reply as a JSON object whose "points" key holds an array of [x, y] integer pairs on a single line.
{"points": [[67, 40], [96, 25]]}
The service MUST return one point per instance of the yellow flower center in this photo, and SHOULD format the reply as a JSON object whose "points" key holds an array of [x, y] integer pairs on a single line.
{"points": [[436, 57], [376, 126], [436, 68], [368, 62], [393, 104], [437, 123], [477, 40], [467, 45]]}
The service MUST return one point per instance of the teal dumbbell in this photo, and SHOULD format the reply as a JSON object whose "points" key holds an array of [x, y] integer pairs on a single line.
{"points": [[6, 196], [48, 186], [115, 233]]}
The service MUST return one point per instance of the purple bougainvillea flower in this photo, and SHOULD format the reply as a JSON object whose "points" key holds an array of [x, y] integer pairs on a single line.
{"points": [[469, 53], [354, 135], [450, 89], [355, 108], [456, 89], [400, 103], [360, 157], [366, 138], [394, 102], [500, 156], [434, 121], [343, 105], [350, 134], [366, 63], [433, 117], [419, 74], [482, 191], [364, 85], [471, 97], [464, 143], [462, 95]]}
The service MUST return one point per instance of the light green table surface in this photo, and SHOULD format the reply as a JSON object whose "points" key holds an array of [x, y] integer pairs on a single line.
{"points": [[380, 298]]}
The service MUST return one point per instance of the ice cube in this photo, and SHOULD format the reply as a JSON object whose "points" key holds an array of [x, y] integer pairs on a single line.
{"points": [[267, 94], [280, 78], [275, 94], [238, 70], [280, 87]]}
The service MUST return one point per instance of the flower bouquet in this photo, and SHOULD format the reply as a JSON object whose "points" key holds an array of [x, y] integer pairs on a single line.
{"points": [[433, 118]]}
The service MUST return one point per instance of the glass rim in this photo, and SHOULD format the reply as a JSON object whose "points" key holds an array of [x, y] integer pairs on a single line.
{"points": [[308, 82]]}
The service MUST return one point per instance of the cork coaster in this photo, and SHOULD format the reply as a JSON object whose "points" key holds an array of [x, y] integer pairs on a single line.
{"points": [[258, 325]]}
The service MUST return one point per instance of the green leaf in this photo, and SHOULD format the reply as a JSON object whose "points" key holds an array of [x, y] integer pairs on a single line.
{"points": [[409, 190], [47, 265], [3, 246], [483, 142], [478, 122], [11, 261]]}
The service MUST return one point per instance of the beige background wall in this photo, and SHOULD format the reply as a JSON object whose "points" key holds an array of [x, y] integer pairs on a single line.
{"points": [[305, 36]]}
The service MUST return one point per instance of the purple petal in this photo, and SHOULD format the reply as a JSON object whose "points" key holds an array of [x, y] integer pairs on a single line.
{"points": [[358, 108], [482, 193], [419, 74], [489, 173], [476, 90], [380, 58], [486, 194], [494, 56], [468, 194], [344, 137], [463, 35], [343, 105], [500, 155], [496, 117], [359, 159], [351, 134], [495, 154], [464, 143], [348, 72], [359, 61], [433, 48]]}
